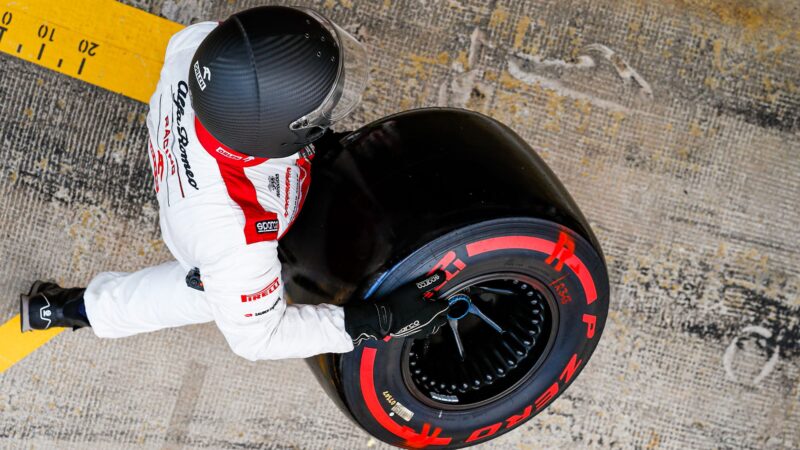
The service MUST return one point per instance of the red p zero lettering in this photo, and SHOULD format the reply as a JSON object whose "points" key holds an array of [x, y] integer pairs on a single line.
{"points": [[546, 396], [423, 439], [377, 411], [451, 266], [543, 246], [590, 322], [446, 261], [565, 247], [484, 432], [570, 369], [517, 418]]}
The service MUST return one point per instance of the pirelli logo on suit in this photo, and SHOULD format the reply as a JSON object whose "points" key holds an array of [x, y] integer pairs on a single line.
{"points": [[272, 287]]}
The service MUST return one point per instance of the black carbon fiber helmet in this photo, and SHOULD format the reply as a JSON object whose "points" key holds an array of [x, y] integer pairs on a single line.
{"points": [[269, 80]]}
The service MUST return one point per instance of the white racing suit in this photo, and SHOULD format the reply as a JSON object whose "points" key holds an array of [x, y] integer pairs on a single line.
{"points": [[222, 212]]}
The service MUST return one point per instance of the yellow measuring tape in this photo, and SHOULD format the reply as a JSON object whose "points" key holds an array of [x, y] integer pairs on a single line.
{"points": [[102, 42]]}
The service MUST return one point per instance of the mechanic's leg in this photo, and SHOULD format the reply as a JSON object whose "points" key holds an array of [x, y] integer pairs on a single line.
{"points": [[123, 304]]}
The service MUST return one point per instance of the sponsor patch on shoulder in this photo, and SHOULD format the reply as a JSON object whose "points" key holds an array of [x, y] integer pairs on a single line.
{"points": [[261, 226], [267, 226]]}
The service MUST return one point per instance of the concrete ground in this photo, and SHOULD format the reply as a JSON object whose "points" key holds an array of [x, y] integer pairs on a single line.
{"points": [[674, 124]]}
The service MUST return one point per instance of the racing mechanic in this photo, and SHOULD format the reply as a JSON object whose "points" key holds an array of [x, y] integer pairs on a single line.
{"points": [[231, 127]]}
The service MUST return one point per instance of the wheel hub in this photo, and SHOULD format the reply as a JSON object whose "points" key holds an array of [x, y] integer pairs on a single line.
{"points": [[499, 328], [460, 306]]}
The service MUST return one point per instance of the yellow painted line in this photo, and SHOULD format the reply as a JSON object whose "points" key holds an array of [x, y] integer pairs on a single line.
{"points": [[15, 345], [102, 42]]}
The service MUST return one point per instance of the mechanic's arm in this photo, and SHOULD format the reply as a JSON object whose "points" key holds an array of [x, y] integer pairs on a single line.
{"points": [[245, 291], [246, 294]]}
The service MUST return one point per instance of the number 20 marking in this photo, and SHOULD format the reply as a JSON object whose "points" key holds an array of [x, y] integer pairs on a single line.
{"points": [[87, 47]]}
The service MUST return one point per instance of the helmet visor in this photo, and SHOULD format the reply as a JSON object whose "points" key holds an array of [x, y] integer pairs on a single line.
{"points": [[351, 79]]}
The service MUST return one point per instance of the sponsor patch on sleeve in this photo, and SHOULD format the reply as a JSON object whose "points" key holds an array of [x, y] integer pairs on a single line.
{"points": [[269, 289]]}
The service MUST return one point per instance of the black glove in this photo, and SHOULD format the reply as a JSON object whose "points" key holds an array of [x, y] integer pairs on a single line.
{"points": [[409, 309]]}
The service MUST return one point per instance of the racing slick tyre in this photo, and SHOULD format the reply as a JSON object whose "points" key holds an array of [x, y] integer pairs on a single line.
{"points": [[453, 190]]}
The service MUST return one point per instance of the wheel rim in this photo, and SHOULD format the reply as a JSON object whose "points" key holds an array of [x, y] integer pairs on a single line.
{"points": [[494, 364]]}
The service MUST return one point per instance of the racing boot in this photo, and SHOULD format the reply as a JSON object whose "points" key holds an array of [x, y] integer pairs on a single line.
{"points": [[48, 305]]}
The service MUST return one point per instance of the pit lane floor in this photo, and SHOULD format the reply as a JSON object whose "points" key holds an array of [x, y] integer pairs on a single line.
{"points": [[674, 125]]}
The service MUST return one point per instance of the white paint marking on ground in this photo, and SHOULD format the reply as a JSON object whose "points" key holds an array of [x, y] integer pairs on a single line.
{"points": [[516, 71], [458, 91], [476, 41], [730, 352], [461, 87], [625, 71], [583, 61], [768, 367]]}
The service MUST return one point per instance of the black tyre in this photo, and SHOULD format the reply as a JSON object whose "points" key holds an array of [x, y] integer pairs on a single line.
{"points": [[551, 327], [457, 190]]}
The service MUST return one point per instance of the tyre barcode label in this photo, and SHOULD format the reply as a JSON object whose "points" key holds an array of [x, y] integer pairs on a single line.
{"points": [[402, 411]]}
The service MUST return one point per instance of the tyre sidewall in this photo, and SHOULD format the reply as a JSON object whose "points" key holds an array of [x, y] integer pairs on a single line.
{"points": [[373, 371]]}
